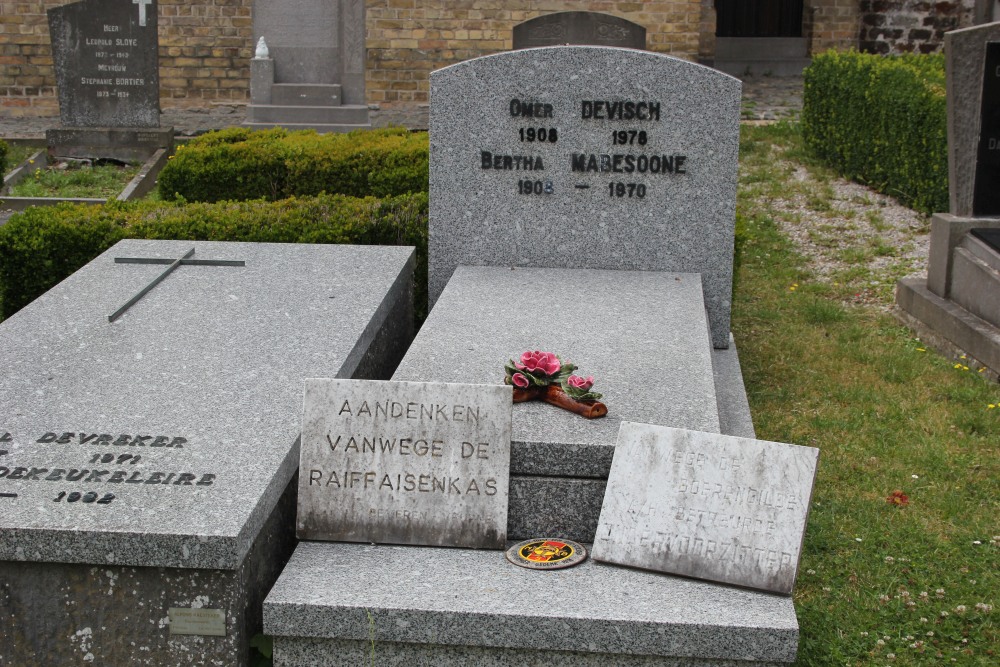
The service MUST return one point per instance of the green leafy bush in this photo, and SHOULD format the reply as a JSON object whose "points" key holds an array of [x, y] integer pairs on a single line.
{"points": [[3, 157], [43, 245], [881, 121], [238, 163]]}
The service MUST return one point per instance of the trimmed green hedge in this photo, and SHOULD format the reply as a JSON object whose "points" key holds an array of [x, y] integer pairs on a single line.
{"points": [[881, 121], [43, 245], [239, 163]]}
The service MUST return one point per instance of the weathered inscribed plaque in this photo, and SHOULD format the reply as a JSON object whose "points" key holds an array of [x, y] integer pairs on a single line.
{"points": [[705, 505], [207, 622], [585, 157], [105, 57], [986, 197], [405, 463]]}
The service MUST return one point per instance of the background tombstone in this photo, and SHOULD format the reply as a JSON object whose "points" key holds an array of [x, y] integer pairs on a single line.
{"points": [[147, 465], [572, 157], [956, 310], [592, 28], [107, 75], [314, 76], [708, 506]]}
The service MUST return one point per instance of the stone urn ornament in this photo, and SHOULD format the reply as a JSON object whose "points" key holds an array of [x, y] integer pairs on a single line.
{"points": [[543, 376]]}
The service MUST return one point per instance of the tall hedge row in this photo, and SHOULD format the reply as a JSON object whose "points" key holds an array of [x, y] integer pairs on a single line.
{"points": [[43, 245], [881, 121], [239, 163]]}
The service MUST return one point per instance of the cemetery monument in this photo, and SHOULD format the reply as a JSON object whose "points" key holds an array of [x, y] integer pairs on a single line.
{"points": [[582, 204], [957, 309], [107, 74], [592, 28], [148, 446], [309, 72]]}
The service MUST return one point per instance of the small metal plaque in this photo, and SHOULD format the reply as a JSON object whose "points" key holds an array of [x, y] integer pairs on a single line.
{"points": [[547, 554], [188, 621]]}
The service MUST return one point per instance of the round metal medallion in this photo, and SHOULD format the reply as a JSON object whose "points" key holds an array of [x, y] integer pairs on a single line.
{"points": [[547, 554]]}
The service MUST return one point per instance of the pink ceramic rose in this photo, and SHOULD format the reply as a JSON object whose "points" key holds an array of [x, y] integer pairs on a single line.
{"points": [[583, 384], [519, 380], [535, 361]]}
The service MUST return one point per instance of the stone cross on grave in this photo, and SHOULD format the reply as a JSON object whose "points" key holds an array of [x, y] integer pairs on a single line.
{"points": [[142, 10], [174, 263]]}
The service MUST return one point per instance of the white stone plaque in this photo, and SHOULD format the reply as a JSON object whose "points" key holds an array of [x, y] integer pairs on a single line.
{"points": [[405, 463], [706, 505]]}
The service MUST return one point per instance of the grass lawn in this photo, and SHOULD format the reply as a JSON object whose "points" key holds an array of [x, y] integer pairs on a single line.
{"points": [[77, 180], [909, 582]]}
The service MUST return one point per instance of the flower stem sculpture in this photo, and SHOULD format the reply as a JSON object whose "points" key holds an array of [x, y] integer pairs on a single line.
{"points": [[544, 376]]}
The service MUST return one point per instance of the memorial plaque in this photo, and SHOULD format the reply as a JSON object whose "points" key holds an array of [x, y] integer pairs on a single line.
{"points": [[986, 197], [205, 622], [106, 63], [405, 463], [591, 28], [608, 158], [708, 506]]}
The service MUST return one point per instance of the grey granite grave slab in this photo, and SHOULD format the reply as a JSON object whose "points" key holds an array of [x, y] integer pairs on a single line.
{"points": [[105, 57], [642, 335], [965, 56], [423, 463], [585, 157], [591, 28], [158, 448], [444, 606], [706, 505]]}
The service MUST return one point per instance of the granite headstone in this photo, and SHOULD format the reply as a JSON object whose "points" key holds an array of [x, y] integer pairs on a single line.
{"points": [[966, 70], [106, 63], [147, 465], [986, 194], [405, 463], [592, 28], [706, 505], [573, 156]]}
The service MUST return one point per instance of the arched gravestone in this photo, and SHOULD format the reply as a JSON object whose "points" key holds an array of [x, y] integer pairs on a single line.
{"points": [[586, 157], [584, 28]]}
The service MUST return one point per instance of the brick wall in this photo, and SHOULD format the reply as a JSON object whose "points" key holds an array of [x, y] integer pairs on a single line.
{"points": [[408, 39], [834, 24], [911, 26]]}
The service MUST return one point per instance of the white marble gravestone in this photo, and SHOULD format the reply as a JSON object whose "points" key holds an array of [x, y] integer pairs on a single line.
{"points": [[707, 505], [405, 463]]}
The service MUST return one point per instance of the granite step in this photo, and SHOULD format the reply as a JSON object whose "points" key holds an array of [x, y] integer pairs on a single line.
{"points": [[975, 281], [306, 94], [336, 603], [354, 114]]}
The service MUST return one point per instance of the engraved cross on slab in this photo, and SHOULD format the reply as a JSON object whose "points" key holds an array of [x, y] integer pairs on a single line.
{"points": [[174, 263]]}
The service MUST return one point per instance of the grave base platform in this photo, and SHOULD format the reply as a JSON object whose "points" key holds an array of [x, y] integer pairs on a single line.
{"points": [[136, 144], [946, 326], [338, 603]]}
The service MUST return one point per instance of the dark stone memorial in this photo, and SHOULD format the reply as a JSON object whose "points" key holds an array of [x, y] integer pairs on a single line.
{"points": [[986, 194], [105, 58], [990, 237], [585, 28]]}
